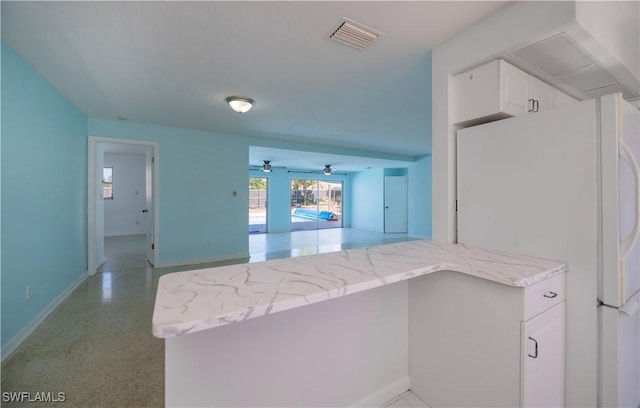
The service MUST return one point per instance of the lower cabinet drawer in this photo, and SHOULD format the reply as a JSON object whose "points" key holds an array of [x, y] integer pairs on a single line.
{"points": [[543, 296]]}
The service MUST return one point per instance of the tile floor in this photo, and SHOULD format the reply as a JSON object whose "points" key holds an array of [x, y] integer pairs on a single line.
{"points": [[97, 346], [285, 245]]}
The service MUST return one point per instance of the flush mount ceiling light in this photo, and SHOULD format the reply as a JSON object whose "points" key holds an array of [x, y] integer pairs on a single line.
{"points": [[266, 167], [240, 104], [327, 169]]}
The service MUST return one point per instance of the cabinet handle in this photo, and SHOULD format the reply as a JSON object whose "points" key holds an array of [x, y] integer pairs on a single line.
{"points": [[536, 349], [550, 295], [531, 105], [536, 104]]}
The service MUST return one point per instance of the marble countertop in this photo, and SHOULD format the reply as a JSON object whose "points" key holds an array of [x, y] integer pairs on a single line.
{"points": [[188, 302]]}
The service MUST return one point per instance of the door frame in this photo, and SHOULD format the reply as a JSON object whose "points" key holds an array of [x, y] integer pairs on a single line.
{"points": [[93, 185]]}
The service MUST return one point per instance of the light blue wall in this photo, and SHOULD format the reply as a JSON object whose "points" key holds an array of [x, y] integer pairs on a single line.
{"points": [[420, 198], [44, 167], [198, 173], [279, 207], [367, 200], [44, 163], [396, 172]]}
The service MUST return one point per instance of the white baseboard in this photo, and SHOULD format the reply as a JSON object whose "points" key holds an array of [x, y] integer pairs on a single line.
{"points": [[16, 340], [384, 394], [202, 261]]}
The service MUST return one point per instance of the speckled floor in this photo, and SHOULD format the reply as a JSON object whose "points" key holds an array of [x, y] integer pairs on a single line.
{"points": [[97, 347]]}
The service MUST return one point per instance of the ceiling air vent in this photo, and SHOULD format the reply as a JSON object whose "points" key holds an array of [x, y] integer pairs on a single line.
{"points": [[355, 34]]}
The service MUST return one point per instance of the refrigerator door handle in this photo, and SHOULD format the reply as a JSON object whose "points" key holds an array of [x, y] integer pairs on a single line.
{"points": [[627, 155], [632, 305]]}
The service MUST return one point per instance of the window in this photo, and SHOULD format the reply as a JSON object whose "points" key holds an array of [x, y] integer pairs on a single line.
{"points": [[107, 183]]}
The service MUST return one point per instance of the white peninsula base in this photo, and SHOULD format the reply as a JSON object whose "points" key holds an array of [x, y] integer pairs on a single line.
{"points": [[351, 351], [476, 343]]}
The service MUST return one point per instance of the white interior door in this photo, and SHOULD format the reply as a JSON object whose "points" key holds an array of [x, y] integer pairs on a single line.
{"points": [[95, 209], [149, 205], [99, 197], [395, 204]]}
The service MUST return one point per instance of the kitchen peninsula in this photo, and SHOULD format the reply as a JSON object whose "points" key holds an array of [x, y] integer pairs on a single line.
{"points": [[228, 345]]}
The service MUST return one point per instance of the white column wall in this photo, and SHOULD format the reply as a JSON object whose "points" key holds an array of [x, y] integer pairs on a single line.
{"points": [[513, 28]]}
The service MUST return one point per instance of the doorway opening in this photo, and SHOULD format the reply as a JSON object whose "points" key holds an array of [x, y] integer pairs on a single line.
{"points": [[316, 204], [258, 188], [121, 201]]}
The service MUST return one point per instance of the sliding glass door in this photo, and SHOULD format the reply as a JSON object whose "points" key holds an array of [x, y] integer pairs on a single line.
{"points": [[257, 205], [315, 204]]}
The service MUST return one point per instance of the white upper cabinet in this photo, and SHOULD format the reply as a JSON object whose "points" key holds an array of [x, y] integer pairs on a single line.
{"points": [[514, 90], [477, 92], [497, 90], [540, 96]]}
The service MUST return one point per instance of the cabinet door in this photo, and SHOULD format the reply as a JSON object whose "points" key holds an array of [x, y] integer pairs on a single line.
{"points": [[475, 93], [514, 90], [543, 359], [541, 95]]}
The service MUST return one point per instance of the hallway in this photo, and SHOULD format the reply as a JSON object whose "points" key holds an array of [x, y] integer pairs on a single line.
{"points": [[97, 347]]}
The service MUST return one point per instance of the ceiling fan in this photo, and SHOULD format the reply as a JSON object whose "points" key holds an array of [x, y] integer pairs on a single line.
{"points": [[266, 167]]}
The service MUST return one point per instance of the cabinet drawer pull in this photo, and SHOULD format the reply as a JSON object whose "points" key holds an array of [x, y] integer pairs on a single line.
{"points": [[550, 295], [531, 105], [536, 349], [536, 105]]}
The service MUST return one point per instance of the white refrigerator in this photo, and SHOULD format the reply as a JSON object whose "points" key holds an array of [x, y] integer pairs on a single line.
{"points": [[564, 184]]}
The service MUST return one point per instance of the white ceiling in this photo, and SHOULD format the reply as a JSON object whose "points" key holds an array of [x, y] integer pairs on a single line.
{"points": [[174, 63]]}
